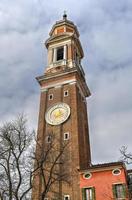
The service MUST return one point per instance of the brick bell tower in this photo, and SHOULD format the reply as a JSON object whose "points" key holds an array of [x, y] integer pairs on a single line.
{"points": [[63, 106]]}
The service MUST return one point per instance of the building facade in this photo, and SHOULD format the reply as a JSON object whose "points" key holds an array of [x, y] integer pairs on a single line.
{"points": [[104, 182]]}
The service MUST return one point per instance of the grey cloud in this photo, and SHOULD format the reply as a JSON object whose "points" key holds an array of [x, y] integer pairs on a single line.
{"points": [[110, 111]]}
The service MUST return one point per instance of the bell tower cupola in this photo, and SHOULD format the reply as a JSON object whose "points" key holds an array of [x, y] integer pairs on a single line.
{"points": [[64, 47]]}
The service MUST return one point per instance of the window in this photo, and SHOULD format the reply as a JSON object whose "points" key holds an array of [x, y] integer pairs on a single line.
{"points": [[66, 93], [50, 96], [119, 191], [48, 139], [66, 136], [87, 175], [88, 193], [116, 172], [60, 53], [66, 197]]}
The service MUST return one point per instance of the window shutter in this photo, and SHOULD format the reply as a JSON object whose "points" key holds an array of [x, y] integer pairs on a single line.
{"points": [[93, 193], [124, 190], [114, 191], [83, 194]]}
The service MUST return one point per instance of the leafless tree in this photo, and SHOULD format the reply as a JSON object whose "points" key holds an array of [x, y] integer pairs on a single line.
{"points": [[126, 156], [15, 163], [51, 164], [20, 165]]}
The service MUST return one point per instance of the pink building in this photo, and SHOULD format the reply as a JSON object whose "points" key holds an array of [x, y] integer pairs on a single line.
{"points": [[104, 182]]}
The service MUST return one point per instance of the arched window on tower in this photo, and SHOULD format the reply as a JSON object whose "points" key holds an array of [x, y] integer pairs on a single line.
{"points": [[60, 53]]}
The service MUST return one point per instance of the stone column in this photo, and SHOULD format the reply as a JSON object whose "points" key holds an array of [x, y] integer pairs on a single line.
{"points": [[50, 56], [54, 55], [65, 52]]}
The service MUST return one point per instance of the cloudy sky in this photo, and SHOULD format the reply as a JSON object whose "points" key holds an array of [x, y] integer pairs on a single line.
{"points": [[105, 28]]}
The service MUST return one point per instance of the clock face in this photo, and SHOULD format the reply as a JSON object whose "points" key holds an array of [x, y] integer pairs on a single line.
{"points": [[57, 114]]}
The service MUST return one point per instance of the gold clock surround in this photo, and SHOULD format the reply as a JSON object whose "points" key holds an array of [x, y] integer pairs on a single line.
{"points": [[57, 114]]}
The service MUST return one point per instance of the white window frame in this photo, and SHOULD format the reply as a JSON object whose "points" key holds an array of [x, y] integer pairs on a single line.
{"points": [[84, 175], [65, 196], [50, 96], [115, 170], [66, 95], [66, 133], [47, 137]]}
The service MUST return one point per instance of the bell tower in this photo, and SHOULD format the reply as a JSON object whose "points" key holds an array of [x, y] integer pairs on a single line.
{"points": [[63, 106]]}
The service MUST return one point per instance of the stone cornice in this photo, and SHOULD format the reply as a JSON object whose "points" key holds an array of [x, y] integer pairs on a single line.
{"points": [[81, 84], [64, 22]]}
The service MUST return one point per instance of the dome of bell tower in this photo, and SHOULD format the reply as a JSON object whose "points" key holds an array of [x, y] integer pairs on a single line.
{"points": [[64, 47], [64, 26]]}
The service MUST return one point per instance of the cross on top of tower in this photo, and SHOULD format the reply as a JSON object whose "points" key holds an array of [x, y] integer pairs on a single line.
{"points": [[64, 15]]}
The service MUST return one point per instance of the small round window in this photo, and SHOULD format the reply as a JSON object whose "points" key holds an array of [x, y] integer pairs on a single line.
{"points": [[116, 172], [87, 175]]}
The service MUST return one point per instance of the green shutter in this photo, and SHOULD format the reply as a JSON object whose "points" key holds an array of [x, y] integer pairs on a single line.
{"points": [[124, 190], [83, 194], [93, 193], [114, 191]]}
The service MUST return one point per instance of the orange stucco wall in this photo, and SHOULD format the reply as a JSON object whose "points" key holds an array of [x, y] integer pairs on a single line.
{"points": [[102, 181]]}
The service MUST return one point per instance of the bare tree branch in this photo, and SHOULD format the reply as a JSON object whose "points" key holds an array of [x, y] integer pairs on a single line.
{"points": [[50, 163], [19, 164], [126, 157], [15, 163]]}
